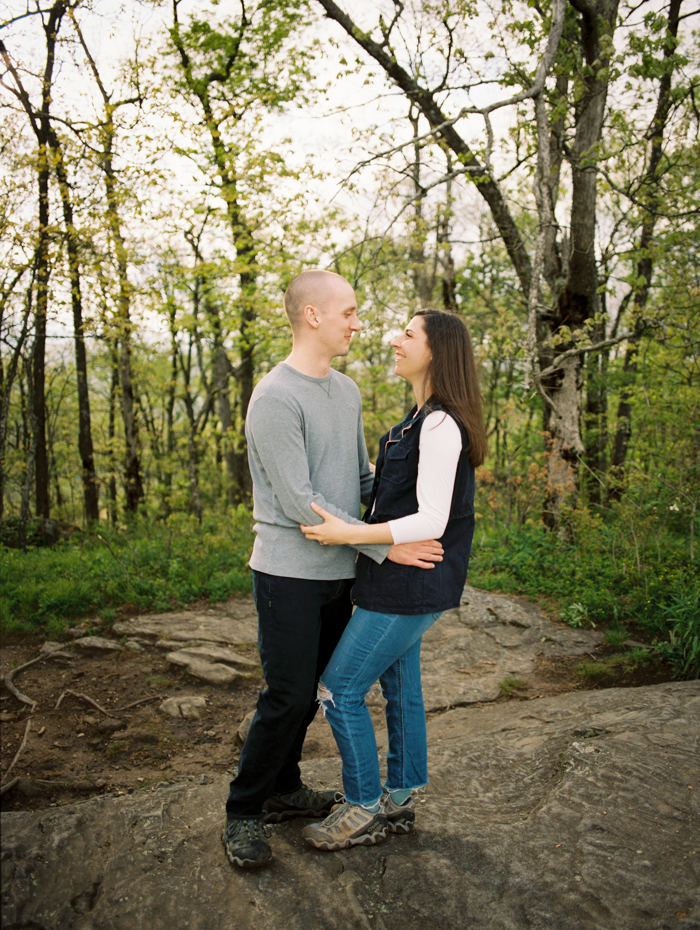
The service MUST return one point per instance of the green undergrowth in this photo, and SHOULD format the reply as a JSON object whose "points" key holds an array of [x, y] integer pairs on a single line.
{"points": [[611, 666], [145, 566], [592, 580]]}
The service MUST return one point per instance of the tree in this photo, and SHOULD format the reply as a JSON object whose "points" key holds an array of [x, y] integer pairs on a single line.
{"points": [[566, 87], [106, 131], [40, 122], [232, 75]]}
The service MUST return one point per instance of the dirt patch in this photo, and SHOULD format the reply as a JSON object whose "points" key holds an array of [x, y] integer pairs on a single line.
{"points": [[604, 668], [76, 750]]}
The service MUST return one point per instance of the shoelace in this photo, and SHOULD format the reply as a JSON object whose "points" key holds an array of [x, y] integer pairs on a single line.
{"points": [[259, 830], [254, 829]]}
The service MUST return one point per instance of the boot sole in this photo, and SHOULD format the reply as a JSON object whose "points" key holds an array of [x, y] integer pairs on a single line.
{"points": [[403, 824], [244, 863], [367, 839], [248, 863], [279, 816]]}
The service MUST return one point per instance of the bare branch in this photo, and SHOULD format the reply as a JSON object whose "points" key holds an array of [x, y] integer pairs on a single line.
{"points": [[115, 557], [20, 668], [386, 32], [587, 7], [543, 68], [425, 100], [584, 350], [83, 697], [16, 19], [8, 786], [153, 697], [19, 751], [20, 92]]}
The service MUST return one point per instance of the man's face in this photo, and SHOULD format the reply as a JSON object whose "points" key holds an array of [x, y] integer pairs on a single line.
{"points": [[337, 317]]}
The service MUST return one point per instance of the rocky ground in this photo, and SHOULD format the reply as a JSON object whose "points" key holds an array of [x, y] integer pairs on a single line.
{"points": [[551, 805], [140, 675]]}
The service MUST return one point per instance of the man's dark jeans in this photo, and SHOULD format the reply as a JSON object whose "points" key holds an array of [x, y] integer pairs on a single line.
{"points": [[299, 624]]}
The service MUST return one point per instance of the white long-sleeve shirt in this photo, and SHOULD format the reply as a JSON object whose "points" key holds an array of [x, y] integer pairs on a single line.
{"points": [[439, 449]]}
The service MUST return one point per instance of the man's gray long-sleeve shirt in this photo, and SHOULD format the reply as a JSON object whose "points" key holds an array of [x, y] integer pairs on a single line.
{"points": [[305, 443]]}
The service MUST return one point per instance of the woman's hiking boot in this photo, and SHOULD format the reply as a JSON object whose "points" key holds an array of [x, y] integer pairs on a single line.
{"points": [[348, 825], [401, 818]]}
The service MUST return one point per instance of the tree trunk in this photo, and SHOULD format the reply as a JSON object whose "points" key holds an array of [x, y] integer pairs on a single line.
{"points": [[170, 415], [85, 447], [132, 468], [645, 268], [31, 460], [8, 379], [133, 484], [578, 300], [41, 127], [422, 283], [222, 367], [449, 290], [426, 102], [246, 374], [596, 439], [114, 391], [192, 463]]}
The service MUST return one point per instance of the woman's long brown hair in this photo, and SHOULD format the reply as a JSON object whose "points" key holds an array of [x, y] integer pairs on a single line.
{"points": [[453, 376]]}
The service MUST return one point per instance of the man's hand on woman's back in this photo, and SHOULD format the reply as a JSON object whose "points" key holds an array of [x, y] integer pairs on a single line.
{"points": [[419, 554]]}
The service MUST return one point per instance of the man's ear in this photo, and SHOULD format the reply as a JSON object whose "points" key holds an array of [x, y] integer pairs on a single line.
{"points": [[311, 315]]}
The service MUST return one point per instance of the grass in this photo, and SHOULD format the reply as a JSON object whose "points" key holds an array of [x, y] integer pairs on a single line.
{"points": [[158, 681], [611, 666], [146, 566], [616, 637], [652, 594], [511, 685], [597, 579]]}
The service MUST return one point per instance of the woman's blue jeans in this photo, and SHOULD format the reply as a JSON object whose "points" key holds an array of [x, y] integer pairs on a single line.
{"points": [[385, 647]]}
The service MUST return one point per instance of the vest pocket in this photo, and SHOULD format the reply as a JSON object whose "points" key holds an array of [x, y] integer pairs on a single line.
{"points": [[395, 468]]}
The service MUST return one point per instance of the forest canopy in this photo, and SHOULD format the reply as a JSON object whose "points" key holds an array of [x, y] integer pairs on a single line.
{"points": [[168, 167]]}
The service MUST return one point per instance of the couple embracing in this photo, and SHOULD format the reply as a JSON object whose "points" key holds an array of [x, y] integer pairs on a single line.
{"points": [[343, 602]]}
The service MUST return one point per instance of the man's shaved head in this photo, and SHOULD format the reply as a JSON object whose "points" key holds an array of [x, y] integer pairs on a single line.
{"points": [[310, 288]]}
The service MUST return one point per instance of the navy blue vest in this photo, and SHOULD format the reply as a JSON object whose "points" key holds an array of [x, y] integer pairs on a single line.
{"points": [[403, 589]]}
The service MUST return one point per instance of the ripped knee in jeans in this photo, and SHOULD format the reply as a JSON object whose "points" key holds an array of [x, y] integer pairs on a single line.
{"points": [[323, 696]]}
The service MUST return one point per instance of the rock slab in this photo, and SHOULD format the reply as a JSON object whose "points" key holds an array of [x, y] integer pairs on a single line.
{"points": [[489, 637], [234, 623], [578, 812]]}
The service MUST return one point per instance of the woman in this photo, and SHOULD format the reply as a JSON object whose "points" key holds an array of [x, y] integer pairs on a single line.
{"points": [[423, 489]]}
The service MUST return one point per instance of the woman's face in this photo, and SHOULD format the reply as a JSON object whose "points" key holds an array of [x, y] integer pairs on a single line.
{"points": [[413, 354]]}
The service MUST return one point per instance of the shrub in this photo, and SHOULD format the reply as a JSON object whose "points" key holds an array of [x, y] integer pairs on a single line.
{"points": [[142, 566]]}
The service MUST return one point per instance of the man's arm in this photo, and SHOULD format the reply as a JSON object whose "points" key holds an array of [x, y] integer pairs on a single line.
{"points": [[282, 456], [366, 467]]}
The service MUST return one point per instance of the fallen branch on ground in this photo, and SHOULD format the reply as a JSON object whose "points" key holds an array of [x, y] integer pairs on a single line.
{"points": [[153, 697], [14, 671], [21, 747], [10, 784], [115, 557], [83, 697]]}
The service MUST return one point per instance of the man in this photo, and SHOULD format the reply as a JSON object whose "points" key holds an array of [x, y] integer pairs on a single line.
{"points": [[305, 443]]}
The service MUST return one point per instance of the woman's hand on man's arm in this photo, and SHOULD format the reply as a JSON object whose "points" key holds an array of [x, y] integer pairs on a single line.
{"points": [[336, 532]]}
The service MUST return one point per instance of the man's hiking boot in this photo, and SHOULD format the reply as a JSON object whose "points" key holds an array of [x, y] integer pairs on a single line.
{"points": [[303, 802], [245, 842], [400, 818], [348, 825]]}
